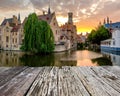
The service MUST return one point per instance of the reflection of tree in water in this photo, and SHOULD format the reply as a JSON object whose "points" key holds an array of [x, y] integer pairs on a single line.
{"points": [[102, 61], [68, 63], [53, 59], [37, 60]]}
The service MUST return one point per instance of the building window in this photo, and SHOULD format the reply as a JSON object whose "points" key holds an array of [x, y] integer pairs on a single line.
{"points": [[7, 39], [54, 24], [56, 32], [47, 18], [113, 42], [22, 40], [0, 38], [7, 46], [16, 33], [7, 29], [16, 40], [13, 40]]}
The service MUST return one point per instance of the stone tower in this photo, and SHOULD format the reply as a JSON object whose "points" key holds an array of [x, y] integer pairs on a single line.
{"points": [[70, 18]]}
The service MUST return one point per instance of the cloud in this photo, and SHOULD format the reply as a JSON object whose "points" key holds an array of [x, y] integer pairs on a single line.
{"points": [[83, 10]]}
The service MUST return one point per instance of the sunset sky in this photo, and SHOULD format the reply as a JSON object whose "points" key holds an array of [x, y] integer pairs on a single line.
{"points": [[87, 13]]}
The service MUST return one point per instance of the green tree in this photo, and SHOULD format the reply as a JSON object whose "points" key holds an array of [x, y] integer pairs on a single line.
{"points": [[96, 36], [38, 36]]}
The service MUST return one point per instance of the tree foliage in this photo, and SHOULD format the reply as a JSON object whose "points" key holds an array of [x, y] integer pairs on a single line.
{"points": [[101, 33], [38, 36]]}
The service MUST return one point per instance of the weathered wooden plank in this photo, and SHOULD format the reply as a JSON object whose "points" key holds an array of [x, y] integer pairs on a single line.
{"points": [[113, 69], [65, 81], [74, 86], [95, 85], [40, 85], [108, 77], [62, 87], [53, 82], [19, 85], [10, 73], [2, 69]]}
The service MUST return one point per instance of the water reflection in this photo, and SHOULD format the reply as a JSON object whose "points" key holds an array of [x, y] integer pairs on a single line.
{"points": [[102, 61], [113, 56], [69, 58], [8, 58], [37, 60]]}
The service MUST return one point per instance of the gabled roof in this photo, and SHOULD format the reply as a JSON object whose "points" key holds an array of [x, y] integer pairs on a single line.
{"points": [[46, 17], [6, 20]]}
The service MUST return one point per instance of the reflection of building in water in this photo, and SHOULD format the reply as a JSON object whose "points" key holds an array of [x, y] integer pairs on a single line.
{"points": [[10, 58], [115, 57]]}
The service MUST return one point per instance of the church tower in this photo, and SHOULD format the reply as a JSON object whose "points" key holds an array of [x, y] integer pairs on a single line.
{"points": [[70, 18]]}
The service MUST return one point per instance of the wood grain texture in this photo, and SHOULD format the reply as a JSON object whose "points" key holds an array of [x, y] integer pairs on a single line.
{"points": [[64, 81]]}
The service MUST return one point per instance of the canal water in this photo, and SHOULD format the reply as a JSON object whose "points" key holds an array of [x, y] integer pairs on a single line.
{"points": [[69, 58]]}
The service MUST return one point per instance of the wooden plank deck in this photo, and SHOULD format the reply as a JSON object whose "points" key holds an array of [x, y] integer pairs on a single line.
{"points": [[55, 81]]}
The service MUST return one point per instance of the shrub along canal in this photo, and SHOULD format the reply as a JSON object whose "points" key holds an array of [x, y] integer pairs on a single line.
{"points": [[69, 58]]}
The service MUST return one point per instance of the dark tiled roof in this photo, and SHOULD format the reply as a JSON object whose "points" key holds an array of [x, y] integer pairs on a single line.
{"points": [[113, 25], [46, 17], [15, 28], [6, 20]]}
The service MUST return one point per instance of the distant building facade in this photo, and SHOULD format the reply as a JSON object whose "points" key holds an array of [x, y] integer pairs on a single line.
{"points": [[82, 38], [11, 33], [50, 18], [69, 31], [112, 44]]}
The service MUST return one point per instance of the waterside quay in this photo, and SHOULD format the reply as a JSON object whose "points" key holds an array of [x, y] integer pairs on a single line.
{"points": [[64, 81]]}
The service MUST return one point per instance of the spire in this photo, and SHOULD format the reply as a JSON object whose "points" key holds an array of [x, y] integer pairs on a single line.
{"points": [[104, 21], [19, 18], [110, 24], [49, 11], [108, 21], [99, 24]]}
